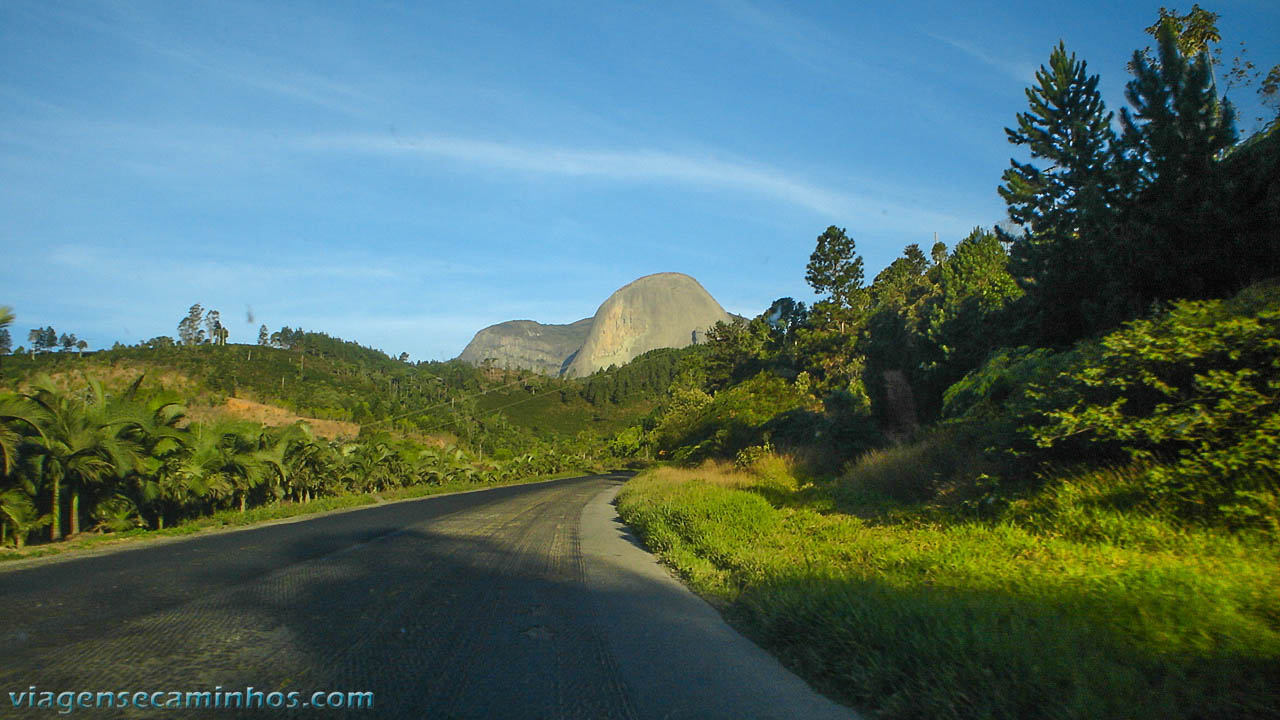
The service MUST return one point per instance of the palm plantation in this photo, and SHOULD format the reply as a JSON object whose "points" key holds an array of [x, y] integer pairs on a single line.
{"points": [[83, 458]]}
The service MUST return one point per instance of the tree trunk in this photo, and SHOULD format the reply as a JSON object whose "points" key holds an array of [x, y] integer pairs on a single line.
{"points": [[55, 528], [75, 511], [160, 523]]}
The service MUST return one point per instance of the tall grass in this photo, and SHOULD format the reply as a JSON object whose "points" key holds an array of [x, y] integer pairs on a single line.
{"points": [[1075, 602]]}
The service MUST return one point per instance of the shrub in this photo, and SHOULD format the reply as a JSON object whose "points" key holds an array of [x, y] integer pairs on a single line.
{"points": [[909, 473], [1193, 394], [696, 426], [752, 454]]}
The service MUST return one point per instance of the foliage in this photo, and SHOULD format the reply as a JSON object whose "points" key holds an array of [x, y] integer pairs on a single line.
{"points": [[834, 268], [905, 616], [645, 377], [994, 396], [126, 458], [694, 424], [1066, 207], [752, 454], [1195, 32], [1193, 392], [737, 350]]}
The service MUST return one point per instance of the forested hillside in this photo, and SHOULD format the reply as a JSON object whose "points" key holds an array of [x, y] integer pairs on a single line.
{"points": [[111, 438], [1032, 474], [1134, 288]]}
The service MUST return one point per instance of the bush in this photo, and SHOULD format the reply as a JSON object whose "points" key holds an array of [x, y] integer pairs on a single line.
{"points": [[1192, 394], [1001, 380], [752, 454], [909, 473], [695, 426]]}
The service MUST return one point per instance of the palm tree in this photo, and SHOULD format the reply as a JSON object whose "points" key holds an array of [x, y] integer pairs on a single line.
{"points": [[271, 452], [226, 460], [19, 418], [79, 445], [309, 462], [16, 414], [157, 481], [430, 466], [365, 469], [18, 511]]}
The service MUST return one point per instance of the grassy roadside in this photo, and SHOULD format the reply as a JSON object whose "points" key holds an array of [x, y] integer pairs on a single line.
{"points": [[263, 514], [908, 615]]}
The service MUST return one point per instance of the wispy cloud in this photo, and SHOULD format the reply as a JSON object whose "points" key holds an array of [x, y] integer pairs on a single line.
{"points": [[1020, 71], [288, 280], [804, 42], [630, 165], [129, 24], [16, 97]]}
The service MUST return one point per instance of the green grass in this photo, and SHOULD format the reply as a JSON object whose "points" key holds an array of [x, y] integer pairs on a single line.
{"points": [[1045, 611], [262, 514]]}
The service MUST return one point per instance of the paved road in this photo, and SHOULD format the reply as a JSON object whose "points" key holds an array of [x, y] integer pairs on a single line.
{"points": [[520, 602]]}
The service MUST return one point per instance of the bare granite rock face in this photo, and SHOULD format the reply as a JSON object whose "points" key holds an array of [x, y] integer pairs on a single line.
{"points": [[527, 344], [665, 310]]}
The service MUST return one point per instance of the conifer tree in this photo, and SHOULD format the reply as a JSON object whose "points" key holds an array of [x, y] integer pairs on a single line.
{"points": [[189, 330], [835, 268], [1066, 207], [1173, 139]]}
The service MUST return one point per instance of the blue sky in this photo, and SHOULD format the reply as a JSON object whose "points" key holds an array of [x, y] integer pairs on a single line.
{"points": [[403, 175]]}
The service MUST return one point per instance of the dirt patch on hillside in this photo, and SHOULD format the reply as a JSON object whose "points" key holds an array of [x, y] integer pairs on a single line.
{"points": [[273, 416]]}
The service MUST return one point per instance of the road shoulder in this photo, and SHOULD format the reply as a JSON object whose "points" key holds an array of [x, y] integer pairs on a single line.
{"points": [[649, 618]]}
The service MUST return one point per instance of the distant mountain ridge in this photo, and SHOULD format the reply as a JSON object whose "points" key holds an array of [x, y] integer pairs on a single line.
{"points": [[663, 310], [527, 344]]}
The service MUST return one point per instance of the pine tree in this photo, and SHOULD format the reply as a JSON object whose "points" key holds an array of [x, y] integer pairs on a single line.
{"points": [[1176, 229], [1066, 207], [836, 269], [1179, 125], [189, 330]]}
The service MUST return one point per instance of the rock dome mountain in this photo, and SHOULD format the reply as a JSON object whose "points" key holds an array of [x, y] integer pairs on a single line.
{"points": [[527, 344], [664, 310]]}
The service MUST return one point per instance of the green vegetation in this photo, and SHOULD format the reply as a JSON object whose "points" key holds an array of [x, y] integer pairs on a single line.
{"points": [[138, 437], [127, 460], [1058, 606], [1035, 475]]}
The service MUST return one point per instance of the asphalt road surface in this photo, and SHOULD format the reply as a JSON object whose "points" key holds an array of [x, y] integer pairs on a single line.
{"points": [[529, 601]]}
